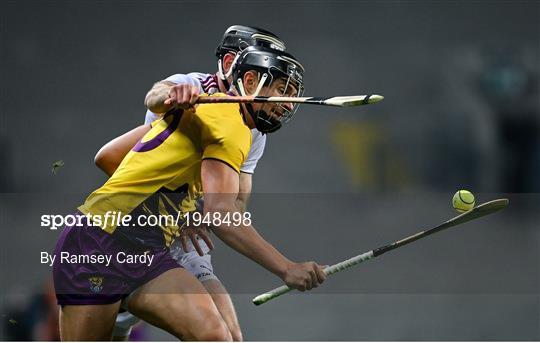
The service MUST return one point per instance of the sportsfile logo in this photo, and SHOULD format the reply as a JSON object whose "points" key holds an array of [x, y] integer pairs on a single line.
{"points": [[114, 218], [55, 221]]}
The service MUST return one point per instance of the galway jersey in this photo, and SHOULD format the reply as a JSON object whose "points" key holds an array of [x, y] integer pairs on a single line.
{"points": [[208, 84], [162, 173]]}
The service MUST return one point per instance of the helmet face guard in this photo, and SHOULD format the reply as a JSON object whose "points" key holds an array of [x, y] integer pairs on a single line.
{"points": [[272, 66], [237, 38]]}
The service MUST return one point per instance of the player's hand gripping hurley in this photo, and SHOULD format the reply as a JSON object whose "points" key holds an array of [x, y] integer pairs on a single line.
{"points": [[477, 212]]}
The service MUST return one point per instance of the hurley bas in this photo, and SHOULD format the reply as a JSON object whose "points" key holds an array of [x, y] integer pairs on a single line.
{"points": [[121, 257]]}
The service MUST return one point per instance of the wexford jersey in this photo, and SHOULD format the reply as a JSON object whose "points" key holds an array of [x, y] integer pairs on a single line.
{"points": [[162, 173], [208, 84]]}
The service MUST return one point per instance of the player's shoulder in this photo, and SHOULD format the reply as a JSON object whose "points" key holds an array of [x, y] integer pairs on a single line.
{"points": [[221, 110], [258, 143], [181, 77], [194, 76], [200, 76], [222, 118], [258, 138], [208, 83]]}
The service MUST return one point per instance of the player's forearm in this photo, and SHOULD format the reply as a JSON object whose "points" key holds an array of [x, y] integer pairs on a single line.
{"points": [[111, 154], [244, 191], [156, 97], [247, 241]]}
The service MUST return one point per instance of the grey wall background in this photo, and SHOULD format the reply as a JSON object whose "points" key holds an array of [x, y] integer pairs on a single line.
{"points": [[461, 111]]}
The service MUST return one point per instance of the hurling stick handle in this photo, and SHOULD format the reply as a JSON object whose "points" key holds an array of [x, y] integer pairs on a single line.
{"points": [[276, 292], [204, 99]]}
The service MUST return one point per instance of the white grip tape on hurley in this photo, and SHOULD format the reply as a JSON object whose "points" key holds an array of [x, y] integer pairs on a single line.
{"points": [[276, 292]]}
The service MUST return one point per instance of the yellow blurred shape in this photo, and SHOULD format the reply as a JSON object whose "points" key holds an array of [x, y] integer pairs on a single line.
{"points": [[371, 162]]}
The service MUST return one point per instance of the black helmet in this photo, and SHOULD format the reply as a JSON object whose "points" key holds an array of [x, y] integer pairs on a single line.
{"points": [[239, 37], [271, 65]]}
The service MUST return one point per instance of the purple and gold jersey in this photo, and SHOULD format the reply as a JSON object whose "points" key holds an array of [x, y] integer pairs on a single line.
{"points": [[162, 173]]}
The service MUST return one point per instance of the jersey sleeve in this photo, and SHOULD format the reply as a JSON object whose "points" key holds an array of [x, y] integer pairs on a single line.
{"points": [[191, 79], [258, 143], [225, 137]]}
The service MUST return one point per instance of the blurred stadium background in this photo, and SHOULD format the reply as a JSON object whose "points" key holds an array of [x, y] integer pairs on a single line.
{"points": [[462, 110]]}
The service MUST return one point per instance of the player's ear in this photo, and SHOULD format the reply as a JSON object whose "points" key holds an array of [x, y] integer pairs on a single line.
{"points": [[250, 81], [227, 61]]}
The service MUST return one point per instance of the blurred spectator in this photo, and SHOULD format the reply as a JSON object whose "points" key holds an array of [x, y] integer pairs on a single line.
{"points": [[36, 322]]}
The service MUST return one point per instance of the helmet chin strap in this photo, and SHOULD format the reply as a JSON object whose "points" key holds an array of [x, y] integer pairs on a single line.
{"points": [[261, 84], [240, 85], [220, 73], [242, 90], [220, 70], [226, 85]]}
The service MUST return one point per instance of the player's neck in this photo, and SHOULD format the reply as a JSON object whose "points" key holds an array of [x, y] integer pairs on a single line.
{"points": [[223, 85], [248, 120]]}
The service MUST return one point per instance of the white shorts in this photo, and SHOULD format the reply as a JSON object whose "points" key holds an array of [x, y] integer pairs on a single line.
{"points": [[124, 323], [198, 266]]}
